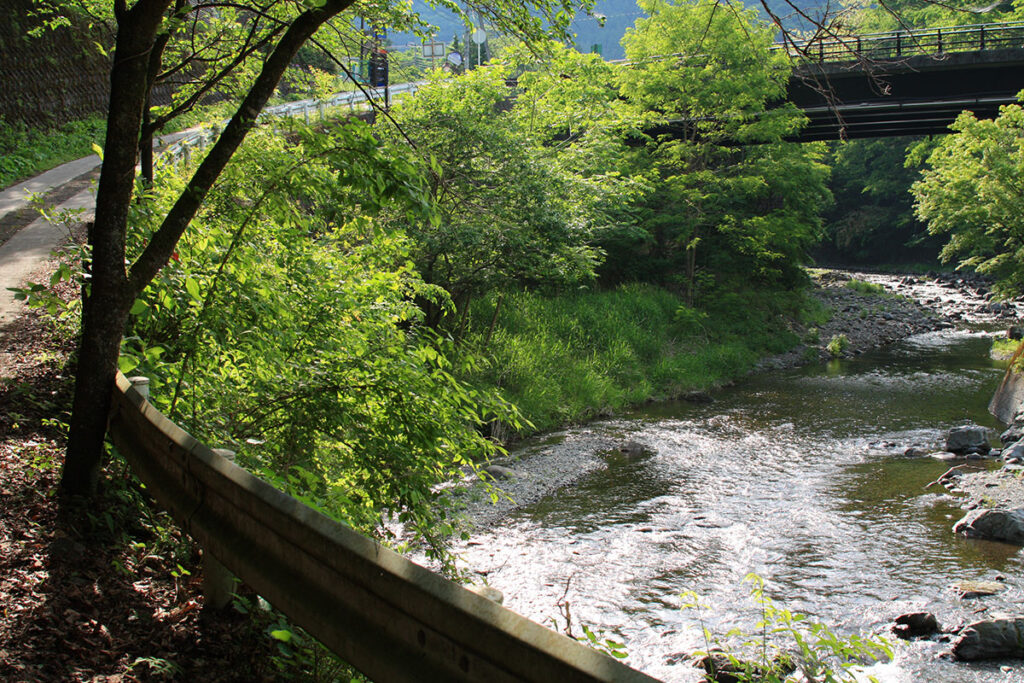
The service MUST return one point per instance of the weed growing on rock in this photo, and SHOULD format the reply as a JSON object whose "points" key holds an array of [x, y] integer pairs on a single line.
{"points": [[865, 287]]}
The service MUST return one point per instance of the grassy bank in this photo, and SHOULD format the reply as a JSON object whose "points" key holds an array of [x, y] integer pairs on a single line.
{"points": [[25, 152], [572, 357]]}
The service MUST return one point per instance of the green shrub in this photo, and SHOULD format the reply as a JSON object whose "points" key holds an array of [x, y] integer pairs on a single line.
{"points": [[865, 287], [785, 646], [837, 345]]}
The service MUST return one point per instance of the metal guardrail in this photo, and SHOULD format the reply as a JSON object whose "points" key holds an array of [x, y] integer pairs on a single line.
{"points": [[390, 618], [899, 44], [308, 110]]}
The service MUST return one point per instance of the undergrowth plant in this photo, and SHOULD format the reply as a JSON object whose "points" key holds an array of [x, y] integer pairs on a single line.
{"points": [[785, 646], [865, 287], [575, 356], [25, 151]]}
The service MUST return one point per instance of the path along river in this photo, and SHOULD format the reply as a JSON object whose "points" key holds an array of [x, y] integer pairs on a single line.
{"points": [[797, 475]]}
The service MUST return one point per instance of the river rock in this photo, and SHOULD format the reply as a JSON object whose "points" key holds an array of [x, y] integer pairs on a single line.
{"points": [[968, 590], [635, 449], [1013, 433], [498, 472], [915, 625], [991, 639], [1014, 452], [945, 456], [916, 452], [718, 667], [995, 525], [967, 439]]}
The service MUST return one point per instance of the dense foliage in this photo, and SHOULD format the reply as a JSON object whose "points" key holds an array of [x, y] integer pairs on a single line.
{"points": [[971, 192], [351, 311], [730, 203], [285, 329], [508, 214], [872, 220]]}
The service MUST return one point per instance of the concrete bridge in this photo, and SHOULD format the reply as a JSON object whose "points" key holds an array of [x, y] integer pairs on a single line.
{"points": [[905, 82]]}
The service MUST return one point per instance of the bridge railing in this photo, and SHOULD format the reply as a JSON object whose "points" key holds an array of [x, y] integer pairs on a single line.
{"points": [[898, 44], [390, 618]]}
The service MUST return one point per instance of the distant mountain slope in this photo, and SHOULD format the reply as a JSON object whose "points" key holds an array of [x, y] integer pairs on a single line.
{"points": [[619, 15]]}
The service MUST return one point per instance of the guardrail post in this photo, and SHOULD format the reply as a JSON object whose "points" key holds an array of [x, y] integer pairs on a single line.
{"points": [[938, 33], [981, 37], [141, 385], [218, 582], [899, 45]]}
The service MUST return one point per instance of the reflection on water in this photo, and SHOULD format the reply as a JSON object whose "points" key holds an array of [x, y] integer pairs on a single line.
{"points": [[797, 476]]}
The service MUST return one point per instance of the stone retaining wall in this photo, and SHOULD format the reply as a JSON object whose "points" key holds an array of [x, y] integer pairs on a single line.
{"points": [[1009, 398]]}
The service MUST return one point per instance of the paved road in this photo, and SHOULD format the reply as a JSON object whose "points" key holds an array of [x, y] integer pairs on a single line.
{"points": [[30, 246]]}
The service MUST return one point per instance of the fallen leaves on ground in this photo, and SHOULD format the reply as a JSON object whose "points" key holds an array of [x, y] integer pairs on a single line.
{"points": [[93, 591]]}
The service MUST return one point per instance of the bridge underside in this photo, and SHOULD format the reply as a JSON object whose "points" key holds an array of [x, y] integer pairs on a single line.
{"points": [[912, 96]]}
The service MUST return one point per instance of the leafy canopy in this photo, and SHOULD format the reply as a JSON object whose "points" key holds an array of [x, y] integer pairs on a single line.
{"points": [[972, 192]]}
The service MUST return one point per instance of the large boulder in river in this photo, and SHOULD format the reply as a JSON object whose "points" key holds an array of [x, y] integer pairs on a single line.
{"points": [[994, 525], [967, 439], [991, 639], [1014, 452]]}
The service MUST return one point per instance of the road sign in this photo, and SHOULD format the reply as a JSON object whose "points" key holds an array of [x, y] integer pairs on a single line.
{"points": [[433, 50]]}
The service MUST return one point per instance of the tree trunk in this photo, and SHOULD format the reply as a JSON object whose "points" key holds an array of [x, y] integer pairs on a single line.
{"points": [[113, 289], [105, 311], [104, 317]]}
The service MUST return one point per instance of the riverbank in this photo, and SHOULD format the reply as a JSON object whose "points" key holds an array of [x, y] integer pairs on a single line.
{"points": [[889, 309]]}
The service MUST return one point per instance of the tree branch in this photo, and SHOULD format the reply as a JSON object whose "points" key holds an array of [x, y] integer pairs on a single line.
{"points": [[161, 246]]}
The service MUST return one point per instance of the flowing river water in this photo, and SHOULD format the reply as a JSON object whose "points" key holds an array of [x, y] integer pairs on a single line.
{"points": [[797, 475]]}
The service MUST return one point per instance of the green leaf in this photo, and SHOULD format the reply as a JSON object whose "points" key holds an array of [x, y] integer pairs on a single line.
{"points": [[284, 635], [127, 363], [99, 150], [192, 287], [138, 307]]}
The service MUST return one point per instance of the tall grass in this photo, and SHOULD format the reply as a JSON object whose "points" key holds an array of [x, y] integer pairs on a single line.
{"points": [[575, 356]]}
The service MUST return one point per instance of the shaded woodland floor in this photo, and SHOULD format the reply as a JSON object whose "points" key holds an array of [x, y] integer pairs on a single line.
{"points": [[107, 590]]}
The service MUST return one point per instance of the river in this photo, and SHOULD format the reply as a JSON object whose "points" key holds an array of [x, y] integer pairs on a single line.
{"points": [[796, 475]]}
